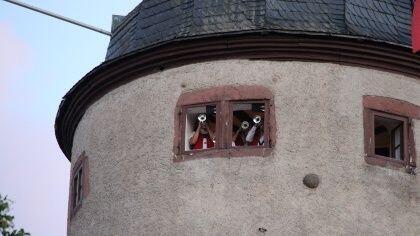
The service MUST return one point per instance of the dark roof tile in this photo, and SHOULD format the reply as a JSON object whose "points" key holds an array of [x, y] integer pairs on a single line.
{"points": [[157, 21]]}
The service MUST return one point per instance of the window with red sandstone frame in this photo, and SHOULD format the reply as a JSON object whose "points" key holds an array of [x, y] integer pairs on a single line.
{"points": [[79, 187], [226, 121], [389, 137]]}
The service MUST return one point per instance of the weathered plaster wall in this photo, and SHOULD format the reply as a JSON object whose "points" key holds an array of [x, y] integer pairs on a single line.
{"points": [[136, 189]]}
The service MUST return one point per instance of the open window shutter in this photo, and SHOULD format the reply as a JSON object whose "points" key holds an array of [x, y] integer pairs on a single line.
{"points": [[396, 147]]}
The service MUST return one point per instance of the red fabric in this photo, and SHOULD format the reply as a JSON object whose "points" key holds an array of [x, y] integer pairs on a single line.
{"points": [[199, 143], [415, 31], [256, 139]]}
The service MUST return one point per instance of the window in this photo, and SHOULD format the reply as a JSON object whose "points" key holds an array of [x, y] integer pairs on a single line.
{"points": [[248, 124], [389, 134], [79, 184], [224, 122], [200, 127], [77, 187], [389, 137]]}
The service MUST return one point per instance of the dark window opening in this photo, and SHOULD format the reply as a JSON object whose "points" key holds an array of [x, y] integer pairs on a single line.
{"points": [[389, 137]]}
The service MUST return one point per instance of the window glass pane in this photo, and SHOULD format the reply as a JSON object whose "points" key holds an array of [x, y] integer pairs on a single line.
{"points": [[397, 145], [397, 136], [248, 124], [398, 153], [200, 128], [388, 137]]}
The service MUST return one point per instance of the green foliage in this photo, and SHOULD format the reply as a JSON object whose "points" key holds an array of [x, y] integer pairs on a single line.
{"points": [[6, 221]]}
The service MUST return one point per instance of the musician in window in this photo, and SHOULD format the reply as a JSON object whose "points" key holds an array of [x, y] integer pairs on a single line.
{"points": [[255, 136], [238, 138], [203, 137]]}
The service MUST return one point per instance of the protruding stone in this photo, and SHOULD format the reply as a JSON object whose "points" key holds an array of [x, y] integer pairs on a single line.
{"points": [[311, 180]]}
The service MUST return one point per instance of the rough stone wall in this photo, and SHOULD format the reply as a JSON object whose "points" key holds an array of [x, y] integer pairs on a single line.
{"points": [[136, 189]]}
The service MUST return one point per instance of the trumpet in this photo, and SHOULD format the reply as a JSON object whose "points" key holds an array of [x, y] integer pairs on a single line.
{"points": [[202, 118], [245, 125], [257, 119]]}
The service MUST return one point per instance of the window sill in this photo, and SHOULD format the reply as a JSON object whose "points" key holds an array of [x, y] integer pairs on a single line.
{"points": [[385, 161], [223, 153]]}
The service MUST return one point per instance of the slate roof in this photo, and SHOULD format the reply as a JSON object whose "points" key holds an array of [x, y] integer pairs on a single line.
{"points": [[157, 21]]}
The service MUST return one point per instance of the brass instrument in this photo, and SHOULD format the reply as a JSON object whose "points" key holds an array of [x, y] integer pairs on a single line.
{"points": [[202, 118], [257, 119], [245, 125]]}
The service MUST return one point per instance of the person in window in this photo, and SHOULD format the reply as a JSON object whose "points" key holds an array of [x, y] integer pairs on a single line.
{"points": [[203, 137], [255, 136], [238, 141]]}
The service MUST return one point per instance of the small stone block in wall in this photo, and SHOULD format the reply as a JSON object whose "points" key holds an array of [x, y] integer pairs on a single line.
{"points": [[311, 180]]}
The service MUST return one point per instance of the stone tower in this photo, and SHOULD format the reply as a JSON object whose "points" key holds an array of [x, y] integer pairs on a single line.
{"points": [[263, 117]]}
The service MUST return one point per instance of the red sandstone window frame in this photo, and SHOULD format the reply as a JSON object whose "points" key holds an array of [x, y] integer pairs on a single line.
{"points": [[224, 97], [392, 109], [81, 164]]}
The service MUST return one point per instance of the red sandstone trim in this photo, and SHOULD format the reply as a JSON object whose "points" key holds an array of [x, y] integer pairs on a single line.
{"points": [[224, 153], [391, 105], [225, 93]]}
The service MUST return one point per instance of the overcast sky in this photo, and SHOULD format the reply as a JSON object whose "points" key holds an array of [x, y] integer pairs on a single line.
{"points": [[40, 60]]}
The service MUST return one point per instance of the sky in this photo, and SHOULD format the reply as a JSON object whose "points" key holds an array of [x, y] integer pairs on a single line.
{"points": [[41, 58]]}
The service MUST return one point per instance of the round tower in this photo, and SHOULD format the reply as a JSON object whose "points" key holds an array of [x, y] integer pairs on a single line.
{"points": [[248, 118]]}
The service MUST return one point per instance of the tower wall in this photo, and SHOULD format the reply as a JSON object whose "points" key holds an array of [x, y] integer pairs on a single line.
{"points": [[136, 189]]}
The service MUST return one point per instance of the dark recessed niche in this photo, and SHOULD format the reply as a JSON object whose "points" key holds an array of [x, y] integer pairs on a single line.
{"points": [[311, 180], [262, 230]]}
